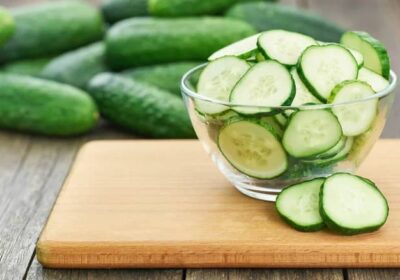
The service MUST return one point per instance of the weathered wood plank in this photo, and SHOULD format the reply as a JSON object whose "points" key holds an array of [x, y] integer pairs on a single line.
{"points": [[374, 274]]}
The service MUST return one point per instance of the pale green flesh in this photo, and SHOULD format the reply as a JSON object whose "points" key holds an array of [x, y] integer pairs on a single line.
{"points": [[311, 132], [267, 83], [355, 118], [303, 95], [300, 203], [281, 119], [377, 82], [217, 81], [357, 55], [352, 202], [243, 48], [335, 149], [252, 149], [284, 46], [342, 153]]}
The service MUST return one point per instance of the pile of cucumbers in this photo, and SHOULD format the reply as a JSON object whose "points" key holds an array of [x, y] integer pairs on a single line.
{"points": [[53, 48]]}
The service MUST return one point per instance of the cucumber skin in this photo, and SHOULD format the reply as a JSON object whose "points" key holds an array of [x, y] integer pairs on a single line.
{"points": [[340, 86], [7, 25], [140, 108], [28, 67], [116, 10], [312, 228], [266, 16], [348, 231], [45, 29], [164, 76], [77, 67], [44, 107], [170, 40]]}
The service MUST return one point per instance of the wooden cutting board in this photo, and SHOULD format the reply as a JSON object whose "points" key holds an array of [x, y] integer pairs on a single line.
{"points": [[148, 204]]}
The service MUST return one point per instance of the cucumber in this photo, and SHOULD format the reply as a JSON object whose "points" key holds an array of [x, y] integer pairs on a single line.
{"points": [[44, 107], [356, 118], [321, 68], [266, 16], [51, 28], [245, 48], [140, 108], [375, 55], [341, 155], [7, 25], [28, 67], [357, 55], [298, 205], [311, 132], [267, 83], [281, 119], [170, 40], [303, 95], [377, 82], [217, 81], [273, 123], [116, 10], [334, 150], [77, 67], [252, 148], [165, 76], [350, 204], [284, 46]]}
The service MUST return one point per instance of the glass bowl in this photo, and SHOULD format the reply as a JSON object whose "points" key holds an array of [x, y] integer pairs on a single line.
{"points": [[207, 128]]}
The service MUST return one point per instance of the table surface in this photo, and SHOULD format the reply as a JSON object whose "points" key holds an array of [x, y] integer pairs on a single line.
{"points": [[32, 170]]}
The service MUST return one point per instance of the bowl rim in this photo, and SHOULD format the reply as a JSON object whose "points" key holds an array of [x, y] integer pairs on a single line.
{"points": [[187, 91]]}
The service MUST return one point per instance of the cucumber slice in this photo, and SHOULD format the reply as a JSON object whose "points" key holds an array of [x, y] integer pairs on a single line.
{"points": [[377, 82], [334, 150], [321, 68], [357, 55], [298, 205], [341, 155], [284, 46], [244, 48], [217, 81], [253, 149], [355, 118], [267, 83], [271, 121], [311, 132], [281, 119], [375, 55], [351, 204]]}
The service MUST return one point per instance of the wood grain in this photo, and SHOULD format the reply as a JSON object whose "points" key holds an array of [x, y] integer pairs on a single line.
{"points": [[164, 204]]}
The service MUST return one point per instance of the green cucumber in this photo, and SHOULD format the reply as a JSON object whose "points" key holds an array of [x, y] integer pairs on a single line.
{"points": [[245, 48], [350, 204], [116, 10], [357, 55], [303, 95], [267, 83], [170, 40], [281, 119], [267, 16], [311, 132], [321, 68], [377, 82], [44, 107], [375, 55], [341, 155], [284, 46], [28, 67], [140, 108], [252, 148], [165, 76], [7, 25], [274, 124], [51, 28], [298, 205], [77, 67], [358, 117]]}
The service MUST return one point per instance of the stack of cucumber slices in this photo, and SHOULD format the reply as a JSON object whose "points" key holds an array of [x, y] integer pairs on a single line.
{"points": [[245, 85]]}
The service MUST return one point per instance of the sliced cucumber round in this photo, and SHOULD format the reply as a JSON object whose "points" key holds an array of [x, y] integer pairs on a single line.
{"points": [[375, 55], [270, 120], [244, 48], [377, 82], [282, 119], [284, 46], [298, 205], [217, 81], [351, 204], [334, 150], [341, 155], [267, 83], [358, 117], [252, 148], [357, 55], [311, 132], [321, 68]]}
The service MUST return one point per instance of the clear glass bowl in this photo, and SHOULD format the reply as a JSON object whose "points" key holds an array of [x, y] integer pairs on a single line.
{"points": [[207, 128]]}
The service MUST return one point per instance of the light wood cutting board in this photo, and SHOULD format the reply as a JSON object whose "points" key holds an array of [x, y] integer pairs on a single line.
{"points": [[164, 204]]}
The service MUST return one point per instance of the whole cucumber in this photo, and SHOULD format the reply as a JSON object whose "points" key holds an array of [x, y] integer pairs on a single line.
{"points": [[140, 108], [51, 28], [145, 41], [39, 106], [29, 67], [7, 25], [116, 10]]}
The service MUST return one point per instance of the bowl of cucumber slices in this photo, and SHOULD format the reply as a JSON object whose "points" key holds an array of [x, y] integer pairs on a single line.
{"points": [[280, 107]]}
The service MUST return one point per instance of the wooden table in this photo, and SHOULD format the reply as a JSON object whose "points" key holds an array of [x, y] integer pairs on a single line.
{"points": [[32, 170]]}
